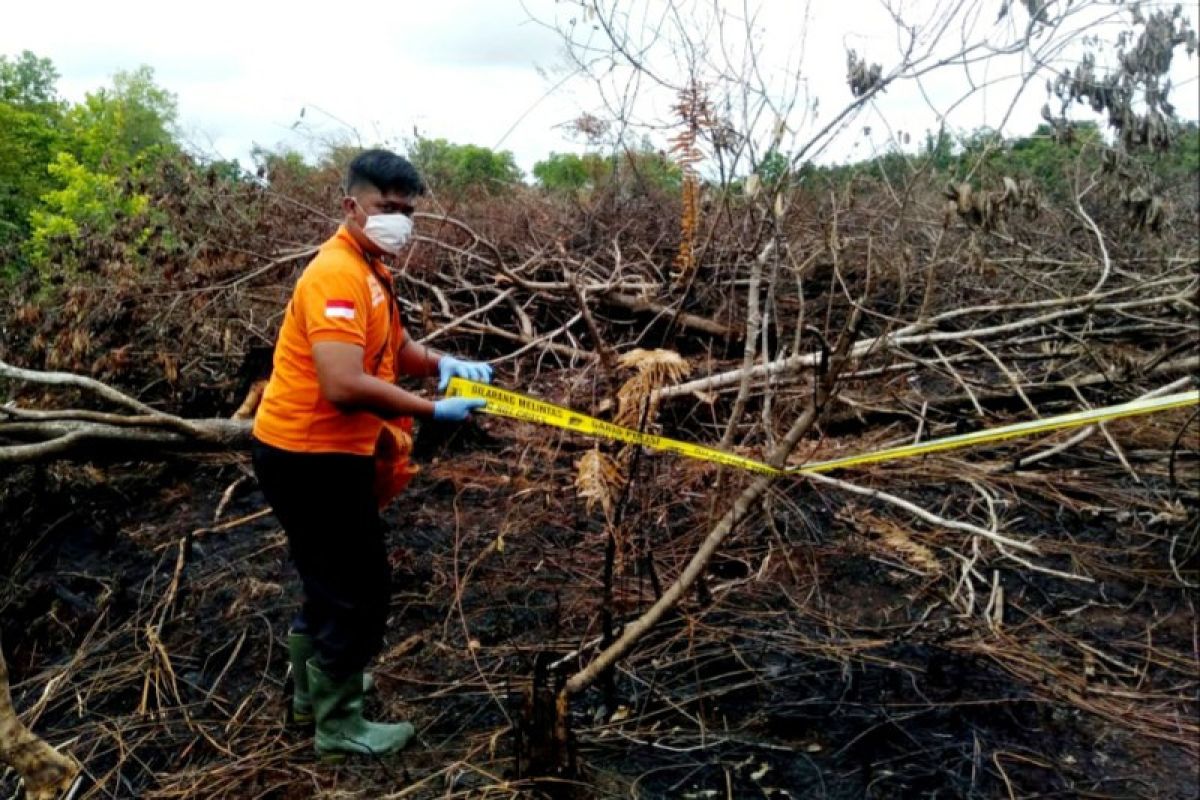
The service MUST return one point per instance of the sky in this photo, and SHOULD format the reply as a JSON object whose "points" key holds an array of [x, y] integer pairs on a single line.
{"points": [[495, 72]]}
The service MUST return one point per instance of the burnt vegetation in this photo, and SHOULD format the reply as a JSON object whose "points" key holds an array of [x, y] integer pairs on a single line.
{"points": [[575, 618]]}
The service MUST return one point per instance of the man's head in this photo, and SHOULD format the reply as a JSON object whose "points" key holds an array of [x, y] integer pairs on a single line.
{"points": [[378, 183]]}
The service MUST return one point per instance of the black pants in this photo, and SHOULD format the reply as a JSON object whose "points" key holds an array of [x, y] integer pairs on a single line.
{"points": [[326, 504]]}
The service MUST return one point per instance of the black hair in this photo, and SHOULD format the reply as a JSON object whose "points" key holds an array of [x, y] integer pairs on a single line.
{"points": [[384, 170]]}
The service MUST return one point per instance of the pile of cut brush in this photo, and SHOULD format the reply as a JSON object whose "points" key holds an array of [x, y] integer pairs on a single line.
{"points": [[582, 618]]}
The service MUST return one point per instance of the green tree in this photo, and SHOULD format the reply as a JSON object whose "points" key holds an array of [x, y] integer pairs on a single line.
{"points": [[124, 126], [641, 171], [114, 135], [1183, 159], [939, 149], [459, 168], [649, 170], [283, 163], [571, 172], [87, 203], [28, 141], [773, 168], [30, 133], [28, 82], [1049, 161]]}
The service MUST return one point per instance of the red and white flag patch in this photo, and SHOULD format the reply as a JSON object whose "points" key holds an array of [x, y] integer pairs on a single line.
{"points": [[339, 309]]}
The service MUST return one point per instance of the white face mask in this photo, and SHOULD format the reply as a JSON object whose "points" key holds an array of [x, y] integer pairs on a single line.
{"points": [[388, 232]]}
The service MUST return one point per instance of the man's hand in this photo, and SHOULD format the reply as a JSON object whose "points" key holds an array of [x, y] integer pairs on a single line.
{"points": [[456, 409], [451, 367]]}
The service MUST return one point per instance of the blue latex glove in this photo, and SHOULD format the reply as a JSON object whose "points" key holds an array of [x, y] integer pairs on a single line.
{"points": [[456, 409], [451, 367]]}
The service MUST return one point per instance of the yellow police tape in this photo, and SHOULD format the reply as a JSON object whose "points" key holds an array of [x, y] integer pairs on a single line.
{"points": [[515, 405]]}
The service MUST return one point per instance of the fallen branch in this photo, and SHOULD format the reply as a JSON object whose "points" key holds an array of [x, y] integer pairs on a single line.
{"points": [[47, 773], [685, 319], [915, 334], [58, 439], [49, 434], [78, 382]]}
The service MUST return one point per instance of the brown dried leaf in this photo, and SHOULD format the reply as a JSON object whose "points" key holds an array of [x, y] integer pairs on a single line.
{"points": [[598, 480]]}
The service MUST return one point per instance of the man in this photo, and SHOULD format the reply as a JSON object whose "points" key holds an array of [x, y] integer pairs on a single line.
{"points": [[340, 348]]}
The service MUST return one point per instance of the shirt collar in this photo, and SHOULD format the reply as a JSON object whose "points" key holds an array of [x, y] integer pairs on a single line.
{"points": [[343, 235], [373, 263]]}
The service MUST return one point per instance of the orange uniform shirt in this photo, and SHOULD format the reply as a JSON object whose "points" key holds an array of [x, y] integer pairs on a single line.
{"points": [[338, 298]]}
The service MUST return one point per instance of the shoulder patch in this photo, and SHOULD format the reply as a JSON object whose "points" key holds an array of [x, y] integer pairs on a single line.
{"points": [[339, 309], [377, 294]]}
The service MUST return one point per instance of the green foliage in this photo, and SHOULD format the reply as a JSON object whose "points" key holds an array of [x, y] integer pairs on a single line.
{"points": [[86, 204], [1052, 160], [939, 150], [571, 172], [30, 122], [1182, 162], [28, 82], [649, 171], [125, 126], [226, 171], [982, 156], [66, 172], [773, 168], [894, 167], [277, 165], [460, 168], [645, 171], [28, 140]]}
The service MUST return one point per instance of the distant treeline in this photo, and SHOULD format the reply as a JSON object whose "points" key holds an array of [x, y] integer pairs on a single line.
{"points": [[70, 171]]}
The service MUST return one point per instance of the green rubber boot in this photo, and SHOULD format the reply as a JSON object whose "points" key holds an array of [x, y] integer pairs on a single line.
{"points": [[341, 729], [300, 650]]}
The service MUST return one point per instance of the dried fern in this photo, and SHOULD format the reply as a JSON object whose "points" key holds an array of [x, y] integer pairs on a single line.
{"points": [[695, 114], [898, 540], [598, 479], [655, 369]]}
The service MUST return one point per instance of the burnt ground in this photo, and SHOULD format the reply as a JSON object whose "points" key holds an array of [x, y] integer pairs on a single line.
{"points": [[822, 658]]}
